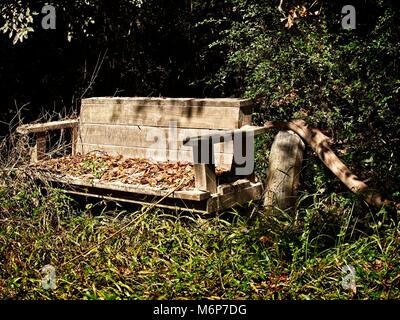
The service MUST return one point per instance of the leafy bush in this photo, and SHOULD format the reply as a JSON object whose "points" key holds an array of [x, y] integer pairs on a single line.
{"points": [[345, 82]]}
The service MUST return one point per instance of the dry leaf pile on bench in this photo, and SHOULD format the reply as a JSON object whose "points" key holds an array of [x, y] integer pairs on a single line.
{"points": [[135, 171]]}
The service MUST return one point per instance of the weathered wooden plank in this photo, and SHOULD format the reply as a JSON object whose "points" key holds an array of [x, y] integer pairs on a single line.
{"points": [[144, 136], [195, 195], [116, 186], [74, 139], [223, 160], [163, 115], [245, 116], [232, 187], [43, 127], [152, 101], [221, 202], [284, 170], [225, 135], [205, 177], [222, 102], [39, 150]]}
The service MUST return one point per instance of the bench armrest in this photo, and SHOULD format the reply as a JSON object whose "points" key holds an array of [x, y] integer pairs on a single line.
{"points": [[203, 154], [224, 136], [40, 129], [49, 126]]}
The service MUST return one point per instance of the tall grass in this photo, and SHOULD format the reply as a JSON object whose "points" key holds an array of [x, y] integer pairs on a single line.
{"points": [[170, 255]]}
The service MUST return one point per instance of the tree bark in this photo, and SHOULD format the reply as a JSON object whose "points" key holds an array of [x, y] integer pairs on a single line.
{"points": [[320, 144]]}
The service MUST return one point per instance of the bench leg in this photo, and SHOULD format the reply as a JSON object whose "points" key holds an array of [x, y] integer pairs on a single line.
{"points": [[40, 148], [204, 166], [74, 138], [205, 178]]}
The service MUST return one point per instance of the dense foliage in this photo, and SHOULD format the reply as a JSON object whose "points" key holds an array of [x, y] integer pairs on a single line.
{"points": [[346, 82], [294, 59]]}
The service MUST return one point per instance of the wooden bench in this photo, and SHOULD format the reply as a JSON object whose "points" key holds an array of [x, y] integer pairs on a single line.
{"points": [[204, 132]]}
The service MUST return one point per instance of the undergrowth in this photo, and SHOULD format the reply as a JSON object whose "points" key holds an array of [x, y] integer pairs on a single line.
{"points": [[172, 255]]}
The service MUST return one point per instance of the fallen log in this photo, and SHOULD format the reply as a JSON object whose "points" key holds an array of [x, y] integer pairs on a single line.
{"points": [[320, 144]]}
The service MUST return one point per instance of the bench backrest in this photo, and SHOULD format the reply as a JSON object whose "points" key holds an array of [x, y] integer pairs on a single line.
{"points": [[154, 128]]}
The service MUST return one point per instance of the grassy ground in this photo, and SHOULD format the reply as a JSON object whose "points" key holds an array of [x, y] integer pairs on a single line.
{"points": [[169, 255]]}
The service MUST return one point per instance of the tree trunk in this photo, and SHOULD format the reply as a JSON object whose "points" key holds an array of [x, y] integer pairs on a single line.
{"points": [[283, 171]]}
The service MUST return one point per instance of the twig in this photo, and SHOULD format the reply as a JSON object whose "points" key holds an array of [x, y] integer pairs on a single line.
{"points": [[95, 73], [280, 8]]}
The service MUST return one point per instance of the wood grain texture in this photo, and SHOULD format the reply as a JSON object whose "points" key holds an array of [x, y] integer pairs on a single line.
{"points": [[224, 135], [234, 186], [156, 101], [196, 195], [161, 116], [284, 169], [144, 136], [205, 177], [245, 115], [222, 202], [39, 150], [74, 139], [43, 127]]}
